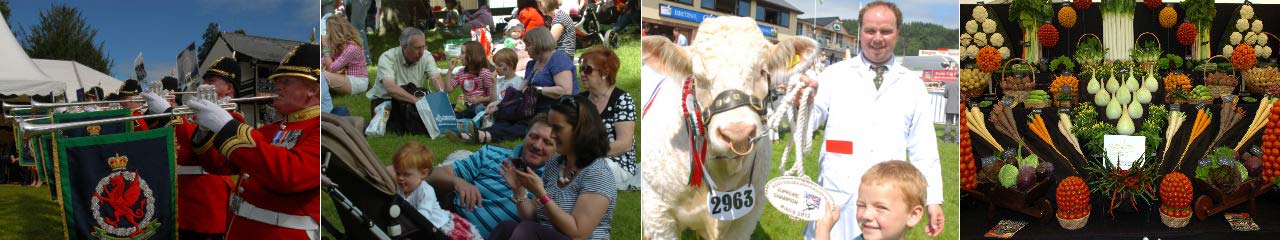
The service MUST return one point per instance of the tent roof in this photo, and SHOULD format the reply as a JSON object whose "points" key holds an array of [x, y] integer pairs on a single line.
{"points": [[21, 75], [262, 48], [77, 75]]}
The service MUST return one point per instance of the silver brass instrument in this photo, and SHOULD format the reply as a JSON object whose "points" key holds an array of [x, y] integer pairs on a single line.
{"points": [[26, 129]]}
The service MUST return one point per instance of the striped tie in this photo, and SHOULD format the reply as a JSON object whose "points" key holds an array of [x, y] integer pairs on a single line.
{"points": [[879, 75]]}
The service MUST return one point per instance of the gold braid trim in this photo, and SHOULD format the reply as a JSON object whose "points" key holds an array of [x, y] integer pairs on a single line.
{"points": [[243, 138]]}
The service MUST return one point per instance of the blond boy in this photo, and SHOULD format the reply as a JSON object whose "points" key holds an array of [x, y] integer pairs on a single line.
{"points": [[891, 200]]}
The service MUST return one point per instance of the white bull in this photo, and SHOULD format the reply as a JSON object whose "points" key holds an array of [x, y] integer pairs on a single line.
{"points": [[729, 54]]}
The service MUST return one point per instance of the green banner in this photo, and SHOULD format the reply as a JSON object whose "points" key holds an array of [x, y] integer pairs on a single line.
{"points": [[122, 186]]}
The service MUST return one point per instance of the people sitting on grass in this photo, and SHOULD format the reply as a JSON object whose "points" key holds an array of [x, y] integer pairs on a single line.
{"points": [[561, 26], [513, 41], [576, 193], [413, 163], [475, 78], [479, 191], [345, 67], [549, 71], [599, 69], [400, 74], [530, 14]]}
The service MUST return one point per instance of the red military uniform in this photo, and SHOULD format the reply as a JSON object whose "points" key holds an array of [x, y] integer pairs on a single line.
{"points": [[279, 188], [140, 124], [202, 195]]}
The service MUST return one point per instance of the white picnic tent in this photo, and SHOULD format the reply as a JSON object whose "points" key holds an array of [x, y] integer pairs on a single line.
{"points": [[77, 75], [19, 75]]}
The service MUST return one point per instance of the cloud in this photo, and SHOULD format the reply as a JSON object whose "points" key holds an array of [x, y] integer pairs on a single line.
{"points": [[941, 12]]}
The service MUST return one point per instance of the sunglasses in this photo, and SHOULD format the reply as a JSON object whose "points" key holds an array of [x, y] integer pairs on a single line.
{"points": [[571, 101], [586, 69]]}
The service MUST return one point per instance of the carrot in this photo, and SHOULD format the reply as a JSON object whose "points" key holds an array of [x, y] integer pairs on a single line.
{"points": [[1201, 123]]}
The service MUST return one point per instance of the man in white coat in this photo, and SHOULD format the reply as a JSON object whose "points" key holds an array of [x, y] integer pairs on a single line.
{"points": [[882, 114]]}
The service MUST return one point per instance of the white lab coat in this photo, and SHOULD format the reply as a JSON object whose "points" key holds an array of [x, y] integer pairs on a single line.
{"points": [[894, 122]]}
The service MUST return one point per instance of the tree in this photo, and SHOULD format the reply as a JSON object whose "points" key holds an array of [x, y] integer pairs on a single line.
{"points": [[64, 34], [4, 10], [211, 34]]}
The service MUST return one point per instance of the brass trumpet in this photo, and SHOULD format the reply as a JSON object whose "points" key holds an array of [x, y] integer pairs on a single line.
{"points": [[26, 130], [41, 105]]}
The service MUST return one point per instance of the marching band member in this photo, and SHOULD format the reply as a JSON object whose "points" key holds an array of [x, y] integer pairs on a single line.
{"points": [[202, 195], [128, 90], [278, 194]]}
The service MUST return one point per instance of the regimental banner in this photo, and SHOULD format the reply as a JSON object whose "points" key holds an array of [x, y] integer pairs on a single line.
{"points": [[122, 186], [103, 129]]}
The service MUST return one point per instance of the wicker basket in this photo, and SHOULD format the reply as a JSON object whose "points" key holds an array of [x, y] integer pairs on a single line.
{"points": [[1018, 96], [1220, 90], [1074, 224], [1041, 104], [1065, 103], [1175, 222]]}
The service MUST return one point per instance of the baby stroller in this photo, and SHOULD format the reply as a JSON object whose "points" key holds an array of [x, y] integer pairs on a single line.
{"points": [[597, 19], [362, 190]]}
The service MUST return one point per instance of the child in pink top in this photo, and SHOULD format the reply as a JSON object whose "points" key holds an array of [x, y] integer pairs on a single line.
{"points": [[475, 78]]}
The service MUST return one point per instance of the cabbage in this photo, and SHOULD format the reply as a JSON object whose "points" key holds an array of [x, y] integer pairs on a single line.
{"points": [[1008, 175]]}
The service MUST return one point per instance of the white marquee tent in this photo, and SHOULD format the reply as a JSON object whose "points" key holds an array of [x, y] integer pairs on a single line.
{"points": [[21, 75]]}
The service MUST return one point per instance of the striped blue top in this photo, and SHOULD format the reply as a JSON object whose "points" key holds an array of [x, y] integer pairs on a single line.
{"points": [[484, 170]]}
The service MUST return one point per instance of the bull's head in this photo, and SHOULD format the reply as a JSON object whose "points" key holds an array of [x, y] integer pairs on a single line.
{"points": [[733, 68]]}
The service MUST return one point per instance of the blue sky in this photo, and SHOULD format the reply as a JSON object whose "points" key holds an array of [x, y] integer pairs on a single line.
{"points": [[159, 29], [941, 12]]}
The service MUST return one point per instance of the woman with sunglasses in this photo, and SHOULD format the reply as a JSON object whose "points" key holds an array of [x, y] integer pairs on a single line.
{"points": [[575, 196], [599, 69]]}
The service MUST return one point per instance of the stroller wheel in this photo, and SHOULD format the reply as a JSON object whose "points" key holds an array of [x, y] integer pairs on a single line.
{"points": [[611, 39]]}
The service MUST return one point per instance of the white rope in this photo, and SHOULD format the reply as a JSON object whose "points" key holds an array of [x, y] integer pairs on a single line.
{"points": [[801, 129]]}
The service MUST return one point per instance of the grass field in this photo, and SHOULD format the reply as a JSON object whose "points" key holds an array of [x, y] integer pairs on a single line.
{"points": [[27, 213], [626, 219]]}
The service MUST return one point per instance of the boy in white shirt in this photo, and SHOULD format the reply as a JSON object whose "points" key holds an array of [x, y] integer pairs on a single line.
{"points": [[412, 165]]}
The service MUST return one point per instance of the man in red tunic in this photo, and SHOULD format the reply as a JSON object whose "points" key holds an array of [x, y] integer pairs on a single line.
{"points": [[202, 194], [278, 193]]}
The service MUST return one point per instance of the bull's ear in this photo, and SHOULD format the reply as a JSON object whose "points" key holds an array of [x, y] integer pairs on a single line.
{"points": [[791, 56], [665, 57]]}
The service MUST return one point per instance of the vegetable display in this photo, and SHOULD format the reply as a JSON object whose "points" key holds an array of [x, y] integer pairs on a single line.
{"points": [[1168, 17], [1260, 120], [1067, 17], [1197, 127], [988, 59], [976, 124], [1271, 145], [1201, 14], [1187, 33], [1073, 198], [1117, 27], [1175, 196], [1242, 57], [968, 170]]}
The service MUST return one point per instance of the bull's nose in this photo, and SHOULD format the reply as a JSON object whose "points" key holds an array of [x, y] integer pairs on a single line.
{"points": [[738, 135]]}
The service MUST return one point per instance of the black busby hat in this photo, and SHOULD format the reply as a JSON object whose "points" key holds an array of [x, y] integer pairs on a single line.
{"points": [[226, 68], [130, 88], [169, 83], [303, 61]]}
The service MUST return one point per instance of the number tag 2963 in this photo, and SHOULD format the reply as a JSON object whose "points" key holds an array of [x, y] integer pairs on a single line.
{"points": [[732, 204]]}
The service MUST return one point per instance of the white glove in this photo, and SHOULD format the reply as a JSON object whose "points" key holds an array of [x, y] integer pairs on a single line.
{"points": [[209, 115], [155, 103]]}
